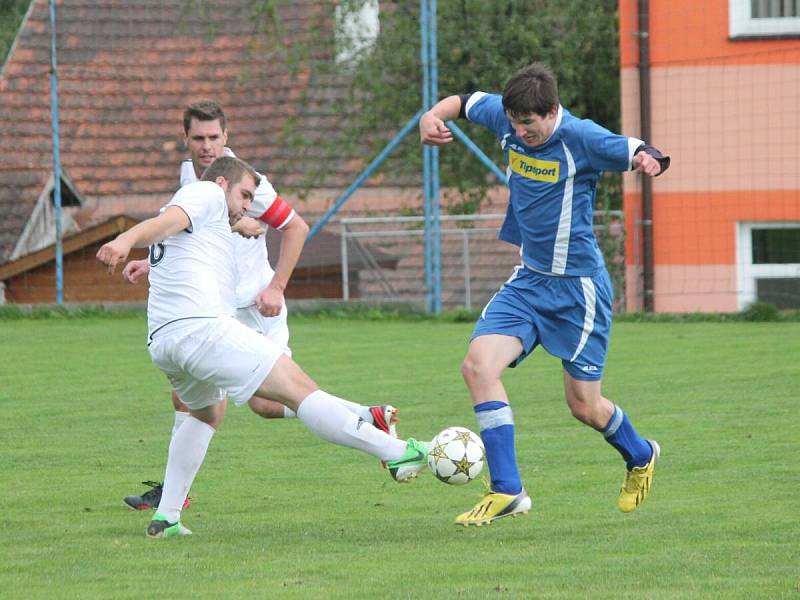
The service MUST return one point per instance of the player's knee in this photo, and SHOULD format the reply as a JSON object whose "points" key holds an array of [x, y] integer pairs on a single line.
{"points": [[469, 370], [475, 371], [587, 411], [580, 410]]}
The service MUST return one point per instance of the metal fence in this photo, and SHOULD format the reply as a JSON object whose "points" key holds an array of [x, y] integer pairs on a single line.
{"points": [[473, 261]]}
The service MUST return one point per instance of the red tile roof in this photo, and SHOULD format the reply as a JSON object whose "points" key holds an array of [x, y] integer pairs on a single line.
{"points": [[125, 72]]}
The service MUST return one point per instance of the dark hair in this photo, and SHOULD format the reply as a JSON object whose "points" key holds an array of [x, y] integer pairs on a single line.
{"points": [[204, 110], [532, 90], [231, 168]]}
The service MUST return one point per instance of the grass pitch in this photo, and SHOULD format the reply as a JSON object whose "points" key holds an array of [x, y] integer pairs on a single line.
{"points": [[278, 513]]}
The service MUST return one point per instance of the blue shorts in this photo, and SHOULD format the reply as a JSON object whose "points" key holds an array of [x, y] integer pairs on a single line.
{"points": [[569, 316]]}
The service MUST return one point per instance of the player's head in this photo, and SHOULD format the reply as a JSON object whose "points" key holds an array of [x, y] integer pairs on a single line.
{"points": [[206, 135], [239, 181], [530, 100]]}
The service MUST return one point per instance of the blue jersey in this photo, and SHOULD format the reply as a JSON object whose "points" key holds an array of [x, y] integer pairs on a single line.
{"points": [[553, 187]]}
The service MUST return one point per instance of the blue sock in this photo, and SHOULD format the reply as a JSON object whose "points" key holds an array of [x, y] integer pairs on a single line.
{"points": [[497, 432], [620, 433]]}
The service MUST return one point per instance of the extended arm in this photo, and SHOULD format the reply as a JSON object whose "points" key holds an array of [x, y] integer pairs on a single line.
{"points": [[270, 300], [432, 128], [649, 160], [148, 232]]}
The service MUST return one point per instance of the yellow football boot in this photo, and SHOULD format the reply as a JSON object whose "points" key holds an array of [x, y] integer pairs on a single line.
{"points": [[493, 506], [638, 482]]}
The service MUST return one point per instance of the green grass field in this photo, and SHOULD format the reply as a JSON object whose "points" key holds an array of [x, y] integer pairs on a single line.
{"points": [[278, 513]]}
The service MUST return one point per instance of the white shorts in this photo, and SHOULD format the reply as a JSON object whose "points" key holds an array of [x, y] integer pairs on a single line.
{"points": [[204, 358], [275, 328]]}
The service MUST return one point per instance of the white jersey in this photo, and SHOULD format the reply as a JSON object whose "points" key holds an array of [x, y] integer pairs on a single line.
{"points": [[192, 273], [254, 272]]}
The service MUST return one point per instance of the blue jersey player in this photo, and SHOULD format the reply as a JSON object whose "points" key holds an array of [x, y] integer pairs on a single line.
{"points": [[560, 296]]}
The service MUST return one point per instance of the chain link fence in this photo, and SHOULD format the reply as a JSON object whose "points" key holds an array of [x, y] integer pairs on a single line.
{"points": [[474, 263]]}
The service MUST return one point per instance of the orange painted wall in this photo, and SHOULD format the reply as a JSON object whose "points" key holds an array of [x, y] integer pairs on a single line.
{"points": [[692, 31], [726, 111], [698, 228]]}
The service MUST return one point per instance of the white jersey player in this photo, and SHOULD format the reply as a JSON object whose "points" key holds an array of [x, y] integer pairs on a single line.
{"points": [[205, 352], [259, 299], [252, 262]]}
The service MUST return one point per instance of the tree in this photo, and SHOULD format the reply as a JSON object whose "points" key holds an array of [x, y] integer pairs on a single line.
{"points": [[480, 44], [11, 15]]}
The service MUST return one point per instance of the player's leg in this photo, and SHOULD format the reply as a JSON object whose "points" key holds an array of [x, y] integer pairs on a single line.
{"points": [[503, 336], [254, 365], [383, 416], [587, 343], [586, 403], [186, 454], [590, 407], [276, 329], [487, 358], [193, 356], [324, 415], [269, 409], [181, 412], [150, 499]]}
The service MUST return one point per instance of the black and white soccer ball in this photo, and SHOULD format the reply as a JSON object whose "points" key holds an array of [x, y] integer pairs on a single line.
{"points": [[456, 455]]}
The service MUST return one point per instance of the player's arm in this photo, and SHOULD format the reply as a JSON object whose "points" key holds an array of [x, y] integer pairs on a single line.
{"points": [[432, 128], [247, 227], [607, 151], [142, 235], [649, 160], [135, 270], [270, 300]]}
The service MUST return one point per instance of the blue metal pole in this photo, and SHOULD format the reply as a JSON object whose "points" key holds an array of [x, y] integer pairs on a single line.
{"points": [[426, 183], [426, 155], [473, 147], [437, 231], [376, 162], [56, 157]]}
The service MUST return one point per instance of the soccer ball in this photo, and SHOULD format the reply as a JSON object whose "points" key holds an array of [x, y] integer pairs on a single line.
{"points": [[456, 455]]}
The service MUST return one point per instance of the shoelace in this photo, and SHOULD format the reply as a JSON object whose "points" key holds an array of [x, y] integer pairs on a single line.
{"points": [[633, 477]]}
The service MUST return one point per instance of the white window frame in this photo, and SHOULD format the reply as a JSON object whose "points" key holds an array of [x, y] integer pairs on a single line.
{"points": [[741, 23], [747, 272]]}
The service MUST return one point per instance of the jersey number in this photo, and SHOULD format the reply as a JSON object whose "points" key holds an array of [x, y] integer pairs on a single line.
{"points": [[156, 253]]}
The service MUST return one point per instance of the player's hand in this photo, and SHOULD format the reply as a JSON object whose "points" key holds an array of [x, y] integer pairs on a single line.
{"points": [[113, 253], [646, 164], [269, 301], [247, 227], [135, 270], [432, 130]]}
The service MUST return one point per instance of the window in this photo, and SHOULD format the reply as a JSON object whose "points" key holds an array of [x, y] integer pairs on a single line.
{"points": [[768, 258], [357, 28], [764, 18]]}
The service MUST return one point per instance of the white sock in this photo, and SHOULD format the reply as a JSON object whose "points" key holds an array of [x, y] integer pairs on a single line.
{"points": [[325, 416], [357, 409], [180, 417], [186, 454]]}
